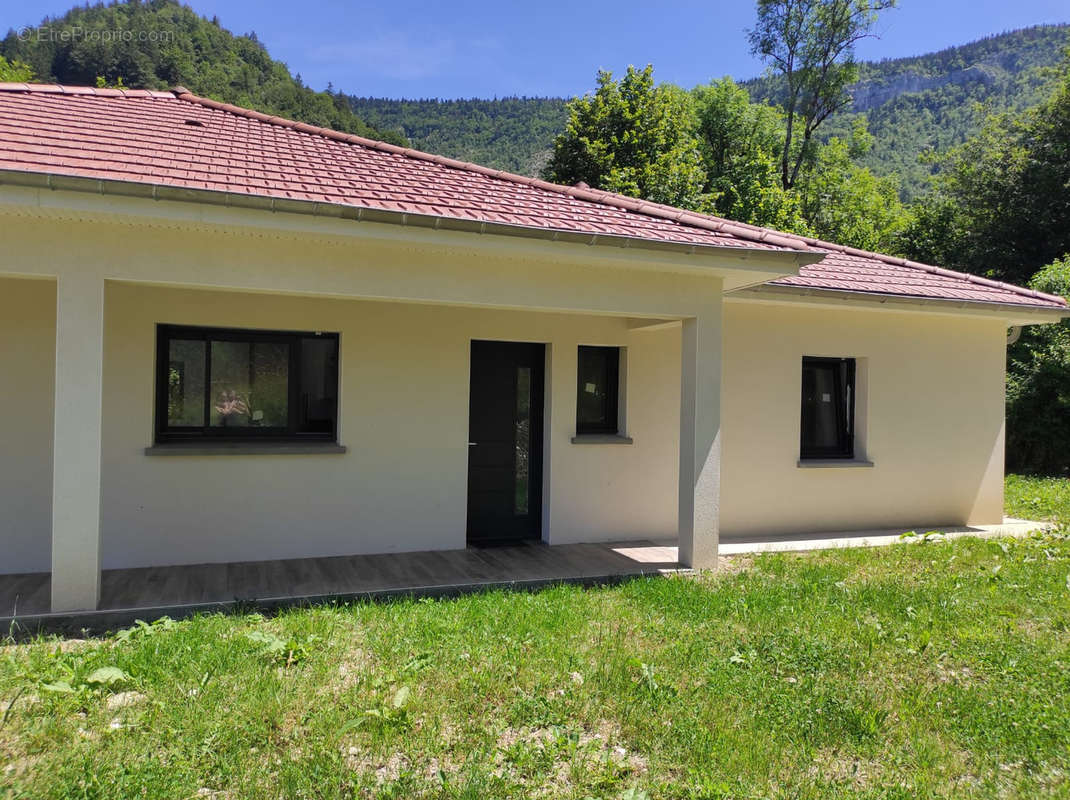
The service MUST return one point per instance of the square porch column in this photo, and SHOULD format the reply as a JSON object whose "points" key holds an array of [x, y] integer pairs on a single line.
{"points": [[76, 442], [700, 438]]}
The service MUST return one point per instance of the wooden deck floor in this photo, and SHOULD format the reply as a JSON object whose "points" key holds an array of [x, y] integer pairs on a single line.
{"points": [[127, 594]]}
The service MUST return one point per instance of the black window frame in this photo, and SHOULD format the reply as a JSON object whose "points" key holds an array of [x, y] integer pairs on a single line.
{"points": [[612, 426], [845, 401], [165, 433]]}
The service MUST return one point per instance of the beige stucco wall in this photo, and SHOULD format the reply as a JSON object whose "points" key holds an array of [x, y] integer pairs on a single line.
{"points": [[407, 302], [403, 416], [933, 400], [931, 412], [27, 378], [931, 407]]}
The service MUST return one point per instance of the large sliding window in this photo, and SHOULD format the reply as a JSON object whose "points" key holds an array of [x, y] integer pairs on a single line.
{"points": [[828, 408], [226, 383]]}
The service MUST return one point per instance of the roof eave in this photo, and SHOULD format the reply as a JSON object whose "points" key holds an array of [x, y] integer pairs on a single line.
{"points": [[1014, 313], [744, 274], [780, 262]]}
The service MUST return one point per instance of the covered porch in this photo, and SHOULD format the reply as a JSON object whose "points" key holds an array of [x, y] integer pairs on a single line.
{"points": [[150, 592], [116, 528]]}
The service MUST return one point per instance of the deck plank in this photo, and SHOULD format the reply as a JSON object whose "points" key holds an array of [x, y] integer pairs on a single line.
{"points": [[25, 593], [196, 584]]}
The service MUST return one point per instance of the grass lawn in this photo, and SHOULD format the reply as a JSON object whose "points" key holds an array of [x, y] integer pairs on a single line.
{"points": [[1037, 498], [924, 670]]}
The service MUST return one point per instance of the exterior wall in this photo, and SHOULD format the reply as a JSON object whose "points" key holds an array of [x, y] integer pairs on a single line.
{"points": [[404, 376], [930, 418], [27, 378], [933, 395]]}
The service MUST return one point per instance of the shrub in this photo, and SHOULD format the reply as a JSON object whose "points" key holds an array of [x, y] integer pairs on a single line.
{"points": [[1038, 387]]}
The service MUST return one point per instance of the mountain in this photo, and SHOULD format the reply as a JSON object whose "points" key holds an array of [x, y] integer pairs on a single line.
{"points": [[926, 104], [915, 106], [175, 46]]}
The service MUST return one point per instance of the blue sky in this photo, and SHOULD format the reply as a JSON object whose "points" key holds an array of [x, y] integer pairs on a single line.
{"points": [[477, 48]]}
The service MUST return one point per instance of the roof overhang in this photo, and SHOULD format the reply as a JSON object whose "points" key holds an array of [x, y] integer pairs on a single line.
{"points": [[738, 267], [1011, 313]]}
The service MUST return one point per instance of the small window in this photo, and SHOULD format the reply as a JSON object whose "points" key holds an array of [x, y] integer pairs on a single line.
{"points": [[828, 410], [238, 384], [596, 406]]}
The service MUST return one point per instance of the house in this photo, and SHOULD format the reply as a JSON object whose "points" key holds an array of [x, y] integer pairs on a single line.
{"points": [[228, 337]]}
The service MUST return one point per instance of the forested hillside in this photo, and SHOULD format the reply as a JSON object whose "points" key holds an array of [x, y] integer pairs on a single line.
{"points": [[915, 106], [175, 47], [927, 104], [511, 133]]}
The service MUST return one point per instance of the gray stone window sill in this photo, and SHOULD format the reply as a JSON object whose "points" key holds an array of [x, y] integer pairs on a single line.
{"points": [[244, 449], [601, 438], [833, 463]]}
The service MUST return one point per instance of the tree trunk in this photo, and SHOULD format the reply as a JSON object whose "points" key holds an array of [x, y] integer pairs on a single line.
{"points": [[785, 156]]}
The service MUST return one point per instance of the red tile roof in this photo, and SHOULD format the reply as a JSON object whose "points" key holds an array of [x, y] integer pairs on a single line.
{"points": [[180, 140]]}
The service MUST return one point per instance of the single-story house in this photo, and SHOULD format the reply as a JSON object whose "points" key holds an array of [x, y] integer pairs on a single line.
{"points": [[230, 337]]}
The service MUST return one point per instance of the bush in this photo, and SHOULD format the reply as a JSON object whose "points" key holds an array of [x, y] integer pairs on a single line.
{"points": [[1038, 387]]}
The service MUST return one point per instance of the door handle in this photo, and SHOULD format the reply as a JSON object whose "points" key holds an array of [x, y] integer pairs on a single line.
{"points": [[472, 444]]}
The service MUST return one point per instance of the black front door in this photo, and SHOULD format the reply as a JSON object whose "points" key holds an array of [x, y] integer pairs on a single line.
{"points": [[505, 442]]}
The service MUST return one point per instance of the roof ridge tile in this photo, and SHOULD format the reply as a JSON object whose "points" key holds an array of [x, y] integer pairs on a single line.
{"points": [[97, 91]]}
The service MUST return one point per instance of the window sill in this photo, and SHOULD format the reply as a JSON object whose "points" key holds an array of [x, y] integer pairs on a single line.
{"points": [[244, 449], [601, 438], [834, 463]]}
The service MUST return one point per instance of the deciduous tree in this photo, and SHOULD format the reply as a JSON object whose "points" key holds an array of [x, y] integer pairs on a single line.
{"points": [[15, 71], [740, 144], [811, 43], [1038, 387], [845, 203], [1001, 201], [632, 137]]}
